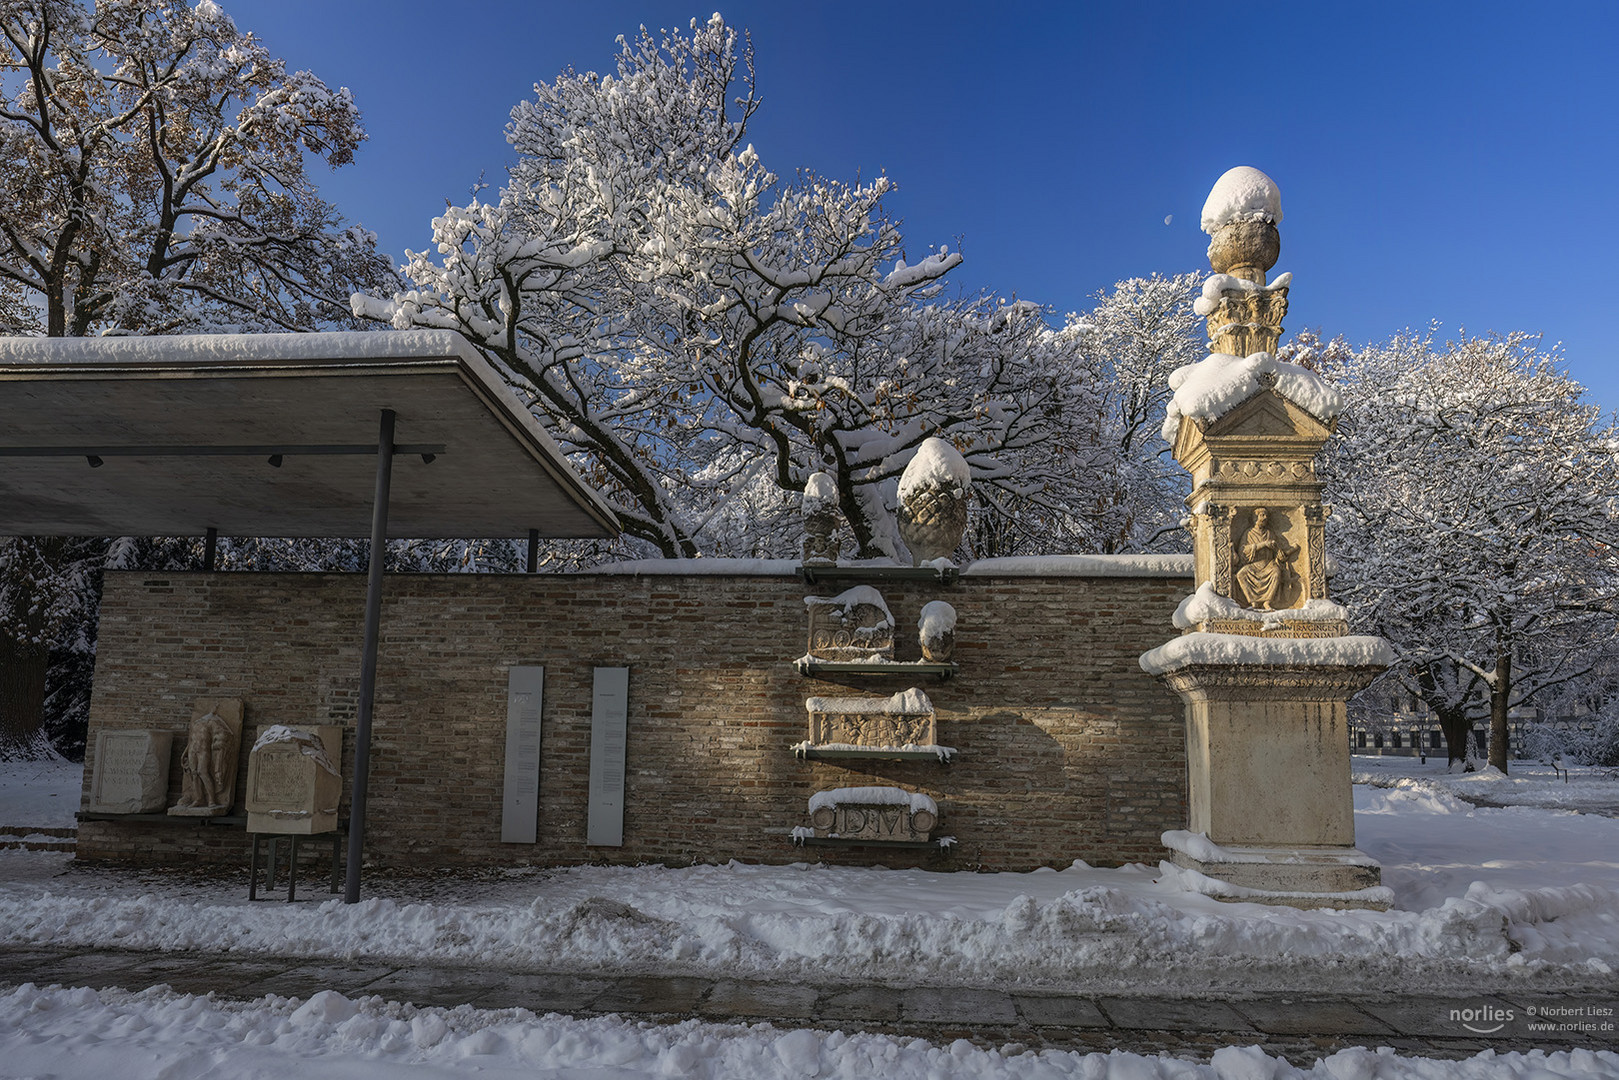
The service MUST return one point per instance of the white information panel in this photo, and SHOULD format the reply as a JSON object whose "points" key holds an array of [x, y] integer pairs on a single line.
{"points": [[609, 721], [520, 809]]}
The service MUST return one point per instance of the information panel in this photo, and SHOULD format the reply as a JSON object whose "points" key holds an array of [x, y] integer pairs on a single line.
{"points": [[609, 720], [520, 809]]}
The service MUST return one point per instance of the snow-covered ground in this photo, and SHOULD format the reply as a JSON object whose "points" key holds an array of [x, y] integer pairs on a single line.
{"points": [[39, 793], [1522, 897], [1519, 897], [80, 1034], [1580, 787]]}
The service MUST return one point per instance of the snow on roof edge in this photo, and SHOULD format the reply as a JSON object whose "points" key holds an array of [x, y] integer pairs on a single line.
{"points": [[1169, 566], [189, 349]]}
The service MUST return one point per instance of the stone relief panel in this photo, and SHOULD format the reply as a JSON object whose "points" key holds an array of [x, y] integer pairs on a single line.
{"points": [[853, 627], [906, 719]]}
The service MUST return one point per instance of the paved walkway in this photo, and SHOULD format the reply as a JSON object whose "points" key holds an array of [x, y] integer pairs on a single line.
{"points": [[1295, 1026]]}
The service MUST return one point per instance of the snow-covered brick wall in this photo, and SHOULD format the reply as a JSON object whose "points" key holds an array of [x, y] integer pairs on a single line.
{"points": [[1044, 774]]}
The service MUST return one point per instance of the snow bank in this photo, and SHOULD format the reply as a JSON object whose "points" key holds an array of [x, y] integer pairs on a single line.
{"points": [[1242, 194], [1206, 604], [40, 794], [1083, 566], [1352, 650], [85, 1034], [873, 796], [935, 464], [1212, 387]]}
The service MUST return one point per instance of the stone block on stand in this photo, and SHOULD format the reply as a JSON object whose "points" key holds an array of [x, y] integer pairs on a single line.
{"points": [[294, 779]]}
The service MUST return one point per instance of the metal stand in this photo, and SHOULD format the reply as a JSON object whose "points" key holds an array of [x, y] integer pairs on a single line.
{"points": [[275, 839]]}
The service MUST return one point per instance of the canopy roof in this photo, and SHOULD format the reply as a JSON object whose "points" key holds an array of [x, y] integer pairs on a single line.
{"points": [[184, 429]]}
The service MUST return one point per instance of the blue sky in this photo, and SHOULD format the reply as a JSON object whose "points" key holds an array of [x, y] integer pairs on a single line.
{"points": [[1457, 162]]}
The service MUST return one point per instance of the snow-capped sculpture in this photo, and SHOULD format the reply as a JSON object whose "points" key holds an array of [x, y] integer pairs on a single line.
{"points": [[820, 511], [933, 501], [936, 631], [1240, 216]]}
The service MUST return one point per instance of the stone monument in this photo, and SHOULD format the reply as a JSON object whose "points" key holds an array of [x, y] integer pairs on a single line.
{"points": [[209, 759], [294, 779], [820, 511], [131, 774], [1265, 664], [854, 626], [933, 493], [906, 719], [936, 632], [881, 814]]}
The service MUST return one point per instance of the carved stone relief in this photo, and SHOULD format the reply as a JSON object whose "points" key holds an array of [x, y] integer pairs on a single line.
{"points": [[1263, 561], [853, 627], [212, 749], [906, 719]]}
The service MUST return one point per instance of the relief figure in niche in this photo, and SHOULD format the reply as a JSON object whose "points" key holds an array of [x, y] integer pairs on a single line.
{"points": [[1264, 574]]}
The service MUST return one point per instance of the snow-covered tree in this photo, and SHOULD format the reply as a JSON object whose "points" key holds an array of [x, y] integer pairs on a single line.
{"points": [[1475, 523], [692, 328], [154, 174]]}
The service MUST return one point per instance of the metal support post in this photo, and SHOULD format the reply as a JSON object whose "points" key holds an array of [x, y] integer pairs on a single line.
{"points": [[368, 656], [210, 548], [533, 550]]}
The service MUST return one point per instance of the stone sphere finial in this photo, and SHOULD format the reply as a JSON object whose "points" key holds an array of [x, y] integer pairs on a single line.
{"points": [[1240, 215]]}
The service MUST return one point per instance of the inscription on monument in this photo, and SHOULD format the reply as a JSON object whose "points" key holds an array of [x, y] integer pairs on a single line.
{"points": [[131, 772]]}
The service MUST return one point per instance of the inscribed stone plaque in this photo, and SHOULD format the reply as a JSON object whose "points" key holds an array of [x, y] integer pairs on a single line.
{"points": [[519, 819], [294, 778], [132, 772], [609, 722]]}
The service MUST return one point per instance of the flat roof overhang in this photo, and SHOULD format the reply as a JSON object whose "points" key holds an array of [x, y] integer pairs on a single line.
{"points": [[184, 428]]}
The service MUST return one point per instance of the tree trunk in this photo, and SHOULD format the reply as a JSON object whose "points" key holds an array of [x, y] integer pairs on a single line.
{"points": [[1453, 718], [1500, 694], [22, 690]]}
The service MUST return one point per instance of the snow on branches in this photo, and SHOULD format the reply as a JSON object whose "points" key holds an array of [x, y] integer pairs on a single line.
{"points": [[154, 174], [1473, 515]]}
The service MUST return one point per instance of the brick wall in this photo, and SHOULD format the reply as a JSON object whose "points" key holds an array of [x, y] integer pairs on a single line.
{"points": [[1067, 750]]}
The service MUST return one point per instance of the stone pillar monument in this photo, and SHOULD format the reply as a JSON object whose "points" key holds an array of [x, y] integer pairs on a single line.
{"points": [[1265, 663]]}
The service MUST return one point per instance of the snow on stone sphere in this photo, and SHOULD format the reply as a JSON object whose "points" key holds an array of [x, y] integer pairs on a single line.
{"points": [[936, 463], [1242, 194]]}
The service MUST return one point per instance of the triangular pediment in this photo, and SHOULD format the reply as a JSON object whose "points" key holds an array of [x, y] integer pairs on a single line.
{"points": [[1268, 414]]}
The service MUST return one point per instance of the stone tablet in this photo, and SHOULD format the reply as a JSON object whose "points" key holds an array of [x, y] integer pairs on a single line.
{"points": [[294, 779], [131, 774]]}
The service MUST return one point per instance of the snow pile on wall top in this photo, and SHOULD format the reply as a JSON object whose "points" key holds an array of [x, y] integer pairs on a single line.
{"points": [[820, 493], [936, 464], [850, 598], [1212, 387], [1206, 604], [1242, 194], [235, 348], [873, 796], [1083, 566], [1352, 650]]}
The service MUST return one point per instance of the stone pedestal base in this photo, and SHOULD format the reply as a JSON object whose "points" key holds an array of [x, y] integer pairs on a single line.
{"points": [[1270, 803], [1303, 877]]}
